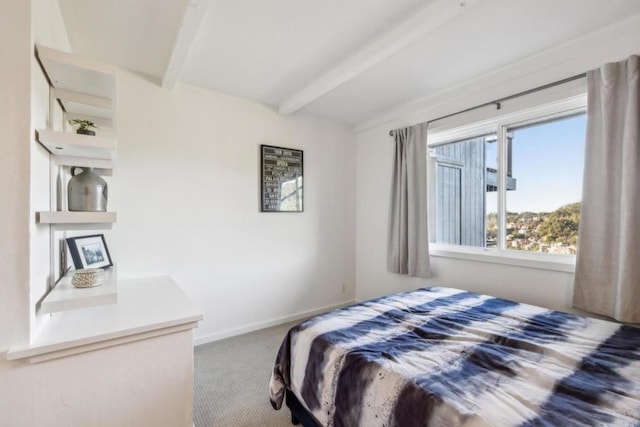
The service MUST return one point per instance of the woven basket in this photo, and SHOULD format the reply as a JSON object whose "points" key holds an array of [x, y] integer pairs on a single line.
{"points": [[88, 278]]}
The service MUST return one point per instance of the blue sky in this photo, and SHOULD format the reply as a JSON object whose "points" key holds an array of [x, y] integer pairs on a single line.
{"points": [[547, 164]]}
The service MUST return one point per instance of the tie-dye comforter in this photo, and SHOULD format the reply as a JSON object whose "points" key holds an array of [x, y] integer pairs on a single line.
{"points": [[446, 357]]}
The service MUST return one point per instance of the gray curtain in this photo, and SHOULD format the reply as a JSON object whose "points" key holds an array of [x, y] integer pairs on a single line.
{"points": [[607, 279], [407, 237]]}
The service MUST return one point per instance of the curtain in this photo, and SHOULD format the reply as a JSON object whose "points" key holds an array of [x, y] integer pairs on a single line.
{"points": [[607, 279], [407, 237]]}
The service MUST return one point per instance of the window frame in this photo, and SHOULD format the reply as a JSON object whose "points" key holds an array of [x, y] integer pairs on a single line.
{"points": [[498, 124]]}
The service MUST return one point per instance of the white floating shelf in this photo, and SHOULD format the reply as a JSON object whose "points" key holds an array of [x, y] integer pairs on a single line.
{"points": [[65, 296], [77, 74], [81, 104], [102, 167], [73, 218], [76, 145], [87, 110]]}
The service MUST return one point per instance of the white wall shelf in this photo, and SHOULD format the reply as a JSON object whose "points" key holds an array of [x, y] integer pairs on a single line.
{"points": [[100, 166], [76, 145], [82, 85], [65, 296], [71, 218]]}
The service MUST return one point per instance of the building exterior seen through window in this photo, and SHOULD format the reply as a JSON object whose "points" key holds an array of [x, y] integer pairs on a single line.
{"points": [[532, 203]]}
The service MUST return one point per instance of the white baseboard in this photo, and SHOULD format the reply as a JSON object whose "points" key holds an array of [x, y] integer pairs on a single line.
{"points": [[266, 324]]}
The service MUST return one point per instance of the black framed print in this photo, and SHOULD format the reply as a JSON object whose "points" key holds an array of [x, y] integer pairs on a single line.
{"points": [[89, 251], [281, 171]]}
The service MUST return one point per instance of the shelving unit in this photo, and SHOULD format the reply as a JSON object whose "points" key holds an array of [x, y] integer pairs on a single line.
{"points": [[65, 296], [85, 90]]}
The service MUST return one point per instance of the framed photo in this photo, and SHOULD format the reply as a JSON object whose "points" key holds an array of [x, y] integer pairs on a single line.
{"points": [[281, 175], [89, 251]]}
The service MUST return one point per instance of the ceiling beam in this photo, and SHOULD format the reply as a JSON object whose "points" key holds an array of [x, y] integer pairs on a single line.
{"points": [[426, 20], [193, 15]]}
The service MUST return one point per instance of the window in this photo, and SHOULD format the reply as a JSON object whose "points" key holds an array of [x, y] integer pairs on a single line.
{"points": [[543, 213], [512, 184]]}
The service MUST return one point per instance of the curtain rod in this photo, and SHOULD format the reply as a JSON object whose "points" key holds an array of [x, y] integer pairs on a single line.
{"points": [[497, 102]]}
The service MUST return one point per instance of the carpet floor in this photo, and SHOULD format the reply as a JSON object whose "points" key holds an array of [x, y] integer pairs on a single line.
{"points": [[231, 384]]}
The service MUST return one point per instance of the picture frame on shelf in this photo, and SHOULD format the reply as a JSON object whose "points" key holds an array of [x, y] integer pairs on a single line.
{"points": [[89, 251]]}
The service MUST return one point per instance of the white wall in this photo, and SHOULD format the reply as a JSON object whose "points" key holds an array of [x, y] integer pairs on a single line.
{"points": [[15, 44], [374, 151], [187, 191], [24, 165]]}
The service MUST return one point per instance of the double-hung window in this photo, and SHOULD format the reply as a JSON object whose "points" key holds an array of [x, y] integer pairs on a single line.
{"points": [[509, 186]]}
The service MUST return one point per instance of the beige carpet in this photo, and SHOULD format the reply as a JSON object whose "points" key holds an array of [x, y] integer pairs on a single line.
{"points": [[232, 381]]}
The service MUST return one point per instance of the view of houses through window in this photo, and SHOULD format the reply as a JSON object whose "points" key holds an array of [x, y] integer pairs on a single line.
{"points": [[543, 186]]}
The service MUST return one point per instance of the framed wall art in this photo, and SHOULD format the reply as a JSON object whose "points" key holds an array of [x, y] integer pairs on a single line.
{"points": [[89, 251], [281, 171]]}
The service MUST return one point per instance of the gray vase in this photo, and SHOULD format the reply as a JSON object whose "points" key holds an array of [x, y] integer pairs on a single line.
{"points": [[87, 191]]}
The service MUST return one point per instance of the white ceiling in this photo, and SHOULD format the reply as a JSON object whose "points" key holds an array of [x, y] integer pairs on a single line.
{"points": [[349, 60], [134, 34]]}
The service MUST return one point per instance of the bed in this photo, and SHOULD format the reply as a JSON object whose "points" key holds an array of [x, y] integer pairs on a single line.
{"points": [[447, 357]]}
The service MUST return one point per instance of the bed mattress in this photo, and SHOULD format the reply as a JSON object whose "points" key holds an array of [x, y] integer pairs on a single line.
{"points": [[448, 357]]}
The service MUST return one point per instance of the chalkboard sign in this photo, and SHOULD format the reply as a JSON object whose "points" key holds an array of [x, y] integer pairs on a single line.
{"points": [[281, 170]]}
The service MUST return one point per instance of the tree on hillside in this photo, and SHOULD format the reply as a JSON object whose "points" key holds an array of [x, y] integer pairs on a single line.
{"points": [[561, 225]]}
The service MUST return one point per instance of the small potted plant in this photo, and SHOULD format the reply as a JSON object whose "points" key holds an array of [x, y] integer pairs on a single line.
{"points": [[84, 126]]}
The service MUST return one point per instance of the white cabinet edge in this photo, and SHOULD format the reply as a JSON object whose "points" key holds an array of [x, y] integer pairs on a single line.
{"points": [[147, 307]]}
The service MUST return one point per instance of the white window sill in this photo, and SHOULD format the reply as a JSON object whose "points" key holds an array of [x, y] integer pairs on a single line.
{"points": [[563, 263]]}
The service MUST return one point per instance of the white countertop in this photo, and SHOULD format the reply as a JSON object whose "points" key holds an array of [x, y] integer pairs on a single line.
{"points": [[146, 307]]}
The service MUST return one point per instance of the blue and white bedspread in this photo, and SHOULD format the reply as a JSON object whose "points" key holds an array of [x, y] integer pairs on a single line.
{"points": [[446, 357]]}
